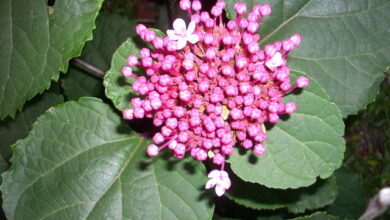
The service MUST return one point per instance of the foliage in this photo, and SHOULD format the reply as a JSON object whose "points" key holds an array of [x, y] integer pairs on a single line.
{"points": [[68, 156]]}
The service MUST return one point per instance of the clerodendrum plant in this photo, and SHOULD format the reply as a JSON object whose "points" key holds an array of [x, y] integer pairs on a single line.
{"points": [[210, 86], [257, 99]]}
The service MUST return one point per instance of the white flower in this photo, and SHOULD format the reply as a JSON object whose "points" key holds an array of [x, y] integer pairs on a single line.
{"points": [[181, 34], [275, 61], [219, 179]]}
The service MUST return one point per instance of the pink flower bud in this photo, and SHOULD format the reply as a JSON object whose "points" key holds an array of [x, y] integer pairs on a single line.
{"points": [[172, 145], [203, 86], [265, 10], [240, 8], [166, 131], [232, 25], [296, 39], [139, 28], [221, 4], [139, 113], [273, 118], [253, 27], [185, 4], [228, 71], [207, 144], [201, 155], [171, 123], [210, 53], [290, 107], [128, 114], [247, 144], [183, 137], [195, 121], [179, 151], [183, 126], [179, 112], [132, 60], [196, 5], [127, 71], [204, 16], [302, 82], [216, 11], [158, 138], [152, 150], [259, 149], [288, 45], [158, 43], [236, 114], [188, 64], [218, 159], [253, 47], [185, 95]]}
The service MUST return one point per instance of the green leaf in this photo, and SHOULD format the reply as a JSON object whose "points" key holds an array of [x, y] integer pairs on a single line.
{"points": [[118, 88], [38, 44], [77, 83], [350, 202], [111, 30], [12, 130], [80, 161], [306, 145], [345, 44], [317, 216], [256, 196]]}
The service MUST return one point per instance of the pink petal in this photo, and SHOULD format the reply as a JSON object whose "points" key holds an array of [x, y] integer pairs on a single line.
{"points": [[181, 43], [193, 38], [179, 26]]}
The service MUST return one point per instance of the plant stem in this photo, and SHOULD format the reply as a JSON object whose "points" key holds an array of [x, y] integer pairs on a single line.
{"points": [[92, 69]]}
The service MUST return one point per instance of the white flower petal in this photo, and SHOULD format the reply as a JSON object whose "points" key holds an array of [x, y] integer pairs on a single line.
{"points": [[181, 43], [224, 174], [214, 173], [179, 26], [211, 183], [219, 190], [225, 183], [191, 28], [275, 61], [172, 35], [193, 38]]}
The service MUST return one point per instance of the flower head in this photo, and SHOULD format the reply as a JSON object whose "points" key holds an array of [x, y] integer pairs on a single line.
{"points": [[215, 92]]}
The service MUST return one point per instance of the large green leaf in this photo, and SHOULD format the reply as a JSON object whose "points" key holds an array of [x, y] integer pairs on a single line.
{"points": [[306, 145], [345, 44], [256, 196], [81, 162], [111, 30], [38, 44], [12, 130], [350, 202]]}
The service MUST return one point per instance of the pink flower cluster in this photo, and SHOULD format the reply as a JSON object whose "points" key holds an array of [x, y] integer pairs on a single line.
{"points": [[210, 85]]}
